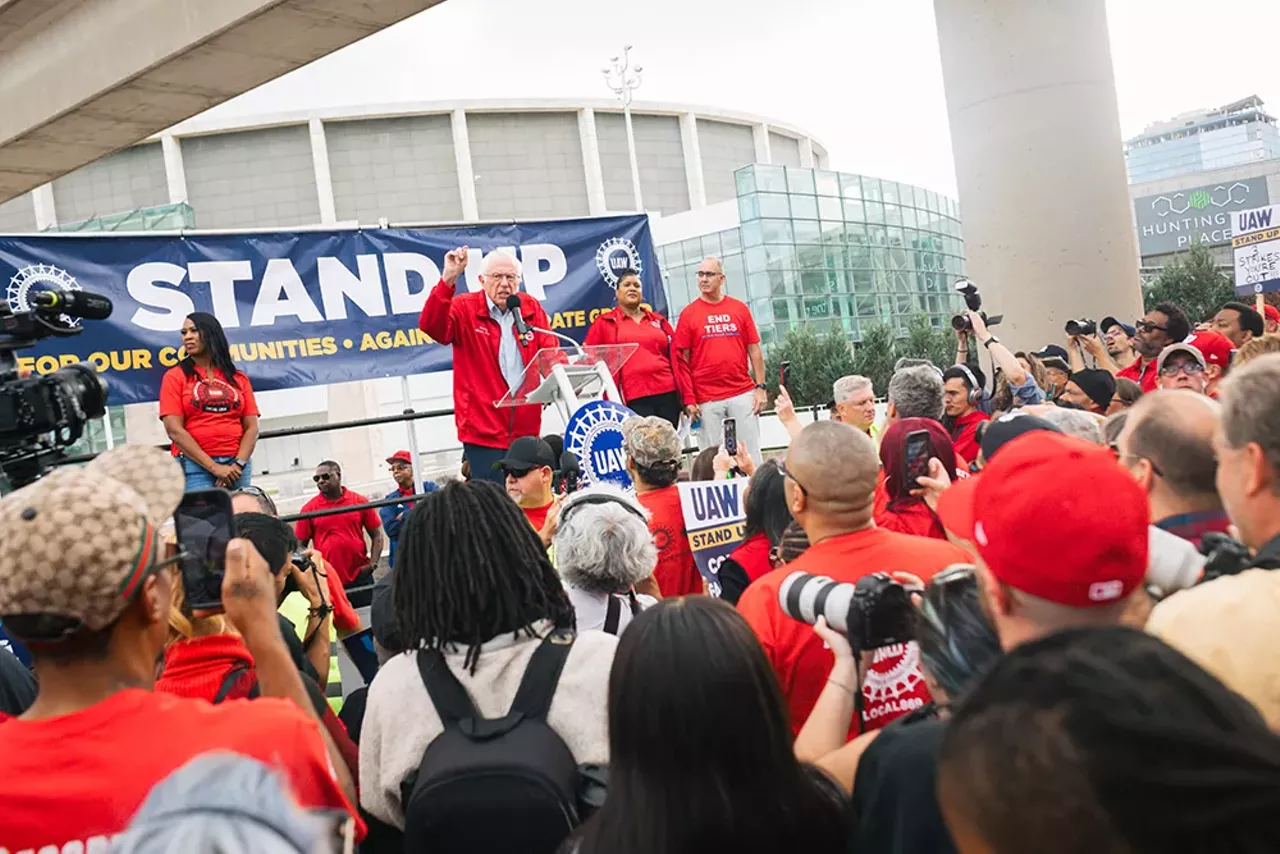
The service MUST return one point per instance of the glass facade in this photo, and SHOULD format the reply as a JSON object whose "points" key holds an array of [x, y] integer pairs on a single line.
{"points": [[828, 250]]}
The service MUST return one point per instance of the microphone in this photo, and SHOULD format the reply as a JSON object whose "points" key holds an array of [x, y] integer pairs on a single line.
{"points": [[513, 305], [73, 304], [570, 473]]}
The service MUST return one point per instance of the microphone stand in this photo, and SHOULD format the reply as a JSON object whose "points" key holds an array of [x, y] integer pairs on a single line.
{"points": [[575, 344]]}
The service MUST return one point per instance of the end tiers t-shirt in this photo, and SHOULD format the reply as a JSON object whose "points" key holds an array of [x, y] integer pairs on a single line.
{"points": [[212, 408], [717, 334], [74, 781]]}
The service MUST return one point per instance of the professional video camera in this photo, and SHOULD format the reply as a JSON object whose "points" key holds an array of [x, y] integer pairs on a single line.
{"points": [[1083, 326], [874, 612], [973, 300], [40, 416]]}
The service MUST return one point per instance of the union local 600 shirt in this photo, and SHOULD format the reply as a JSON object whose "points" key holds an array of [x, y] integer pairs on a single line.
{"points": [[717, 334]]}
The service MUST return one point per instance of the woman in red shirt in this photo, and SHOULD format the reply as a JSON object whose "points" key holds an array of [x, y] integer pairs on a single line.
{"points": [[906, 513], [767, 519], [208, 409], [653, 381]]}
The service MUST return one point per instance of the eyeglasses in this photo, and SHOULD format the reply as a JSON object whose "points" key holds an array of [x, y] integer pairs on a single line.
{"points": [[320, 477], [1148, 326], [782, 467], [401, 467], [705, 274], [503, 277], [1188, 368], [1155, 468], [516, 473]]}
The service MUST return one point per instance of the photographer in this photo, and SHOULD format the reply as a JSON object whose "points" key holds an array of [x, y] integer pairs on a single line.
{"points": [[1022, 384], [94, 619]]}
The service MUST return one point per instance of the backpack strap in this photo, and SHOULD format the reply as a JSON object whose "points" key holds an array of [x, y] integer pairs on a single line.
{"points": [[447, 694], [635, 603], [533, 699], [612, 615], [229, 683]]}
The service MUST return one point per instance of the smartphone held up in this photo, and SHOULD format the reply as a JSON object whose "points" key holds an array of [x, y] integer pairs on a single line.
{"points": [[203, 525]]}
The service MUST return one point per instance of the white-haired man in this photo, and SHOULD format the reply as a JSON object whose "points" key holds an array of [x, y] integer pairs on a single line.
{"points": [[856, 404], [489, 355], [604, 552], [717, 335]]}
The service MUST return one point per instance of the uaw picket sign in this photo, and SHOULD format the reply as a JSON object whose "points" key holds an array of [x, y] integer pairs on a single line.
{"points": [[1255, 243], [715, 518], [594, 435]]}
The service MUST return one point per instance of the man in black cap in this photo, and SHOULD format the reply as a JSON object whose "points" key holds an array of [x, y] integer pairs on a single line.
{"points": [[1005, 429], [528, 468], [1091, 390], [1057, 369], [1119, 340]]}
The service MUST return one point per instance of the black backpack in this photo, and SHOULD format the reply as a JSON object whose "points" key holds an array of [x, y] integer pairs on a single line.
{"points": [[493, 786]]}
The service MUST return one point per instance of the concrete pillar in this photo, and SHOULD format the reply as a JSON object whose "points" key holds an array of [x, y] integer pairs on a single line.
{"points": [[597, 205], [324, 179], [42, 202], [760, 136], [692, 161], [1035, 131], [466, 174], [175, 174]]}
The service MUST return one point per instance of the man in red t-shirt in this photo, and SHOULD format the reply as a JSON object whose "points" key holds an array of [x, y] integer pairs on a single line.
{"points": [[653, 461], [340, 536], [527, 468], [830, 478], [961, 393], [90, 598], [717, 336], [1164, 325]]}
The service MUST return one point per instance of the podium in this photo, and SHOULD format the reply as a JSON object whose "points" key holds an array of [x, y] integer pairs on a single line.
{"points": [[569, 378]]}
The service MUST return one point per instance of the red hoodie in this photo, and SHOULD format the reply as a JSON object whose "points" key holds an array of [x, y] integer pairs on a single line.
{"points": [[464, 321], [652, 369]]}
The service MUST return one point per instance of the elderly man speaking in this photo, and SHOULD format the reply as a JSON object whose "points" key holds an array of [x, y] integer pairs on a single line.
{"points": [[489, 355]]}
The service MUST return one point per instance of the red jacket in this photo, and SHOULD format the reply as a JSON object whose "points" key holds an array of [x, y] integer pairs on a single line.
{"points": [[652, 369], [464, 322]]}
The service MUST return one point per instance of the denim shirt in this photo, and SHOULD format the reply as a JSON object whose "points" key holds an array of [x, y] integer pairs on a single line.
{"points": [[509, 360]]}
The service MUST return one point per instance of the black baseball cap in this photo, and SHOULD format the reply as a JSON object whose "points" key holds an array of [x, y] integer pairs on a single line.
{"points": [[527, 452], [1108, 322], [1052, 351], [1006, 428]]}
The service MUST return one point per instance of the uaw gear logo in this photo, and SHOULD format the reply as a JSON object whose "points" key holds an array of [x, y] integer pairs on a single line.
{"points": [[215, 396], [1198, 200], [615, 255], [594, 435], [38, 278]]}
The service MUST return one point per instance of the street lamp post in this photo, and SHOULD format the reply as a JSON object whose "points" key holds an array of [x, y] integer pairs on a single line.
{"points": [[623, 80]]}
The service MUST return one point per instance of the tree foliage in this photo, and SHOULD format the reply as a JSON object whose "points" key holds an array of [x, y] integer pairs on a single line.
{"points": [[817, 361], [1193, 282]]}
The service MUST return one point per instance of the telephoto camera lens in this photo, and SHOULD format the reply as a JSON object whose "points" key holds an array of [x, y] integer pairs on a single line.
{"points": [[872, 613], [806, 597], [961, 323], [1083, 326]]}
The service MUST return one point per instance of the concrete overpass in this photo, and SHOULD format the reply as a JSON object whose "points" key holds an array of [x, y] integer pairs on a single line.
{"points": [[82, 78]]}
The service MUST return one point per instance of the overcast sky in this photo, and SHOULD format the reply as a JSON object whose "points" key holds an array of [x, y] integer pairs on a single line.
{"points": [[863, 76]]}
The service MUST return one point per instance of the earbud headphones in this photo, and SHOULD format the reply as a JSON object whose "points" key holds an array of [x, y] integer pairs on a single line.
{"points": [[975, 388], [598, 498]]}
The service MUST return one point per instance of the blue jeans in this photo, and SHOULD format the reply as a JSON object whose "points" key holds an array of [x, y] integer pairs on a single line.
{"points": [[482, 460], [200, 478]]}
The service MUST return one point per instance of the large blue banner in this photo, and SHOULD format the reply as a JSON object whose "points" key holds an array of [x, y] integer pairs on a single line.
{"points": [[306, 308]]}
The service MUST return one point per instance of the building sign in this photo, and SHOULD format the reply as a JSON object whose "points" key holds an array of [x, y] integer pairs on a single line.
{"points": [[1176, 221], [1256, 245]]}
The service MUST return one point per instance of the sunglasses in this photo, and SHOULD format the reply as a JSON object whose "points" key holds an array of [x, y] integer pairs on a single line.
{"points": [[1148, 326], [321, 477], [516, 473]]}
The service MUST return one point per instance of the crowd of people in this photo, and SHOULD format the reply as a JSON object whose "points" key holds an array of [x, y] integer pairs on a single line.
{"points": [[1029, 607]]}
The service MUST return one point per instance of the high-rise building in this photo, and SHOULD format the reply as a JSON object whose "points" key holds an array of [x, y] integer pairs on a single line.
{"points": [[1202, 141]]}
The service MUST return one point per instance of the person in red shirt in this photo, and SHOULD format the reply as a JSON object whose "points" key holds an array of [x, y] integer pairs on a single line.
{"points": [[653, 461], [767, 518], [208, 409], [718, 337], [653, 381], [831, 475], [340, 536], [489, 355], [528, 468], [906, 513], [90, 600], [962, 392], [1164, 325]]}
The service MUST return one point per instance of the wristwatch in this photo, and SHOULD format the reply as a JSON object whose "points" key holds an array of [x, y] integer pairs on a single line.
{"points": [[242, 463], [992, 340], [762, 386]]}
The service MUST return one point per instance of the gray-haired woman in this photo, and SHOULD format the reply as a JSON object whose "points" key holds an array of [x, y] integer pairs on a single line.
{"points": [[603, 550]]}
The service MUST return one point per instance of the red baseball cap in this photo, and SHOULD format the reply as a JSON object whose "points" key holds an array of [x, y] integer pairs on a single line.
{"points": [[401, 457], [1215, 347], [1099, 514]]}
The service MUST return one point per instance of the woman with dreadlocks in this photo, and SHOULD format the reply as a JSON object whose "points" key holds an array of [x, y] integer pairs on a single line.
{"points": [[208, 409], [475, 593], [1108, 741]]}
